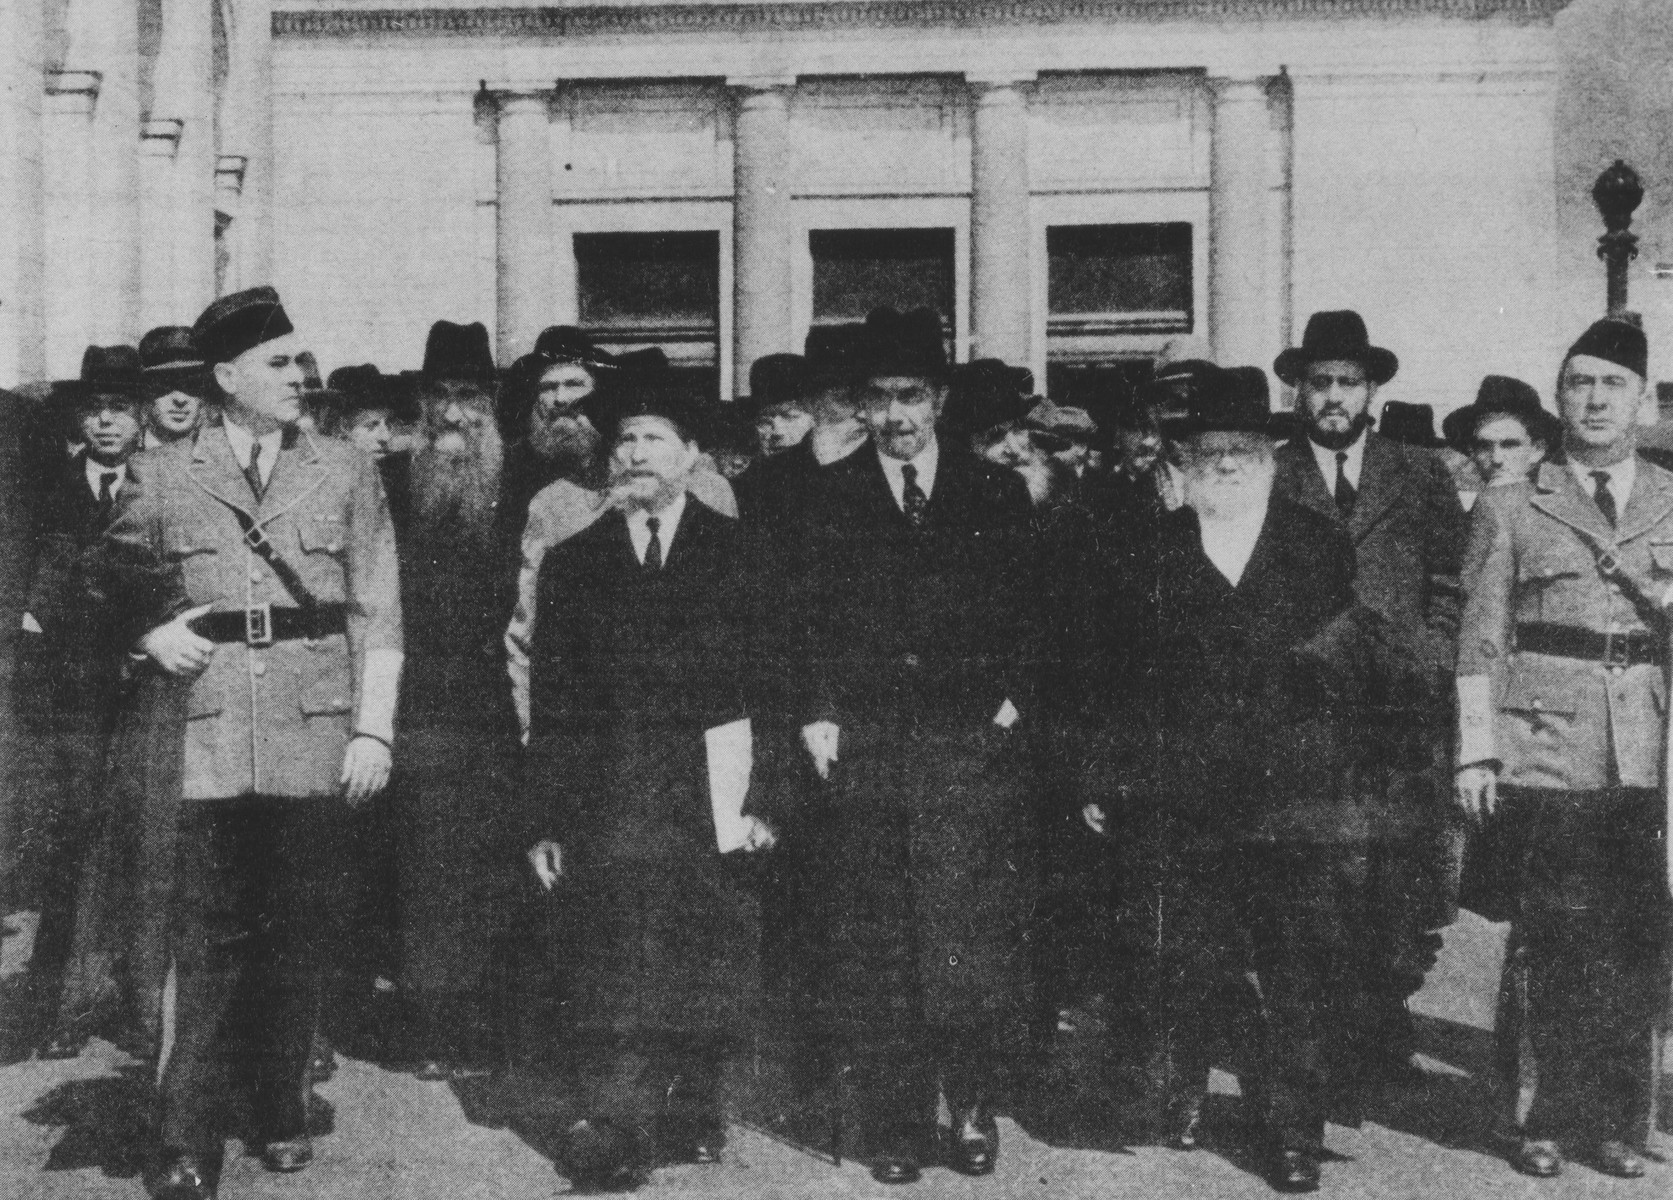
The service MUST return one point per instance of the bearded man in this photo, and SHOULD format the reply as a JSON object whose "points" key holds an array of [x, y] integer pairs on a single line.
{"points": [[1218, 768], [457, 735]]}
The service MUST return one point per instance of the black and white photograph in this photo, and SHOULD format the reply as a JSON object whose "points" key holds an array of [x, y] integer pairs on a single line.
{"points": [[788, 599]]}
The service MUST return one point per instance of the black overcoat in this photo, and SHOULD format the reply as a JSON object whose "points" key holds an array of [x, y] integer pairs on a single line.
{"points": [[652, 930], [921, 847]]}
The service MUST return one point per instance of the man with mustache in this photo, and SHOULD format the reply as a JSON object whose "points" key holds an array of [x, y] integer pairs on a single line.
{"points": [[67, 672], [647, 625], [1399, 506], [1562, 739], [916, 691], [457, 734], [1216, 756]]}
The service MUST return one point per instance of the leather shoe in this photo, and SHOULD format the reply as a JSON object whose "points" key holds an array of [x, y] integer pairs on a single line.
{"points": [[433, 1070], [62, 1044], [1295, 1171], [897, 1166], [596, 1156], [1541, 1159], [974, 1147], [287, 1155], [1620, 1160], [182, 1175]]}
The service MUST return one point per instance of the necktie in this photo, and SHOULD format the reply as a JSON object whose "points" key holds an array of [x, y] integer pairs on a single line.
{"points": [[912, 496], [653, 548], [252, 473], [1345, 494], [1604, 497], [107, 481]]}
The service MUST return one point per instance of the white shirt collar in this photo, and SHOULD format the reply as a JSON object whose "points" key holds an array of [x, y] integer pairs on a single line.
{"points": [[929, 458], [667, 521], [96, 471], [241, 439], [1621, 478], [1327, 462]]}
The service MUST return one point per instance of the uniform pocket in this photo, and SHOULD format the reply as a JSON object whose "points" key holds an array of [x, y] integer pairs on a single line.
{"points": [[1535, 689], [322, 534], [325, 684], [1661, 557]]}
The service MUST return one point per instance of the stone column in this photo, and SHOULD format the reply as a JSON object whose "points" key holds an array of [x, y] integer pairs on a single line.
{"points": [[23, 201], [159, 139], [71, 99], [1239, 287], [247, 131], [526, 273], [1001, 282], [183, 95], [760, 224]]}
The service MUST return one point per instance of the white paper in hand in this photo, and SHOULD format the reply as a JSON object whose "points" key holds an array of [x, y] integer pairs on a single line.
{"points": [[731, 750]]}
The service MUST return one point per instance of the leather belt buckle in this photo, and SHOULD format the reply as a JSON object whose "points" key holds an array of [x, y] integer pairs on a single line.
{"points": [[258, 625], [1617, 650]]}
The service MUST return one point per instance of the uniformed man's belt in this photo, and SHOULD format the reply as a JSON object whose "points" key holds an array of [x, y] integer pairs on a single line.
{"points": [[1629, 649], [262, 624]]}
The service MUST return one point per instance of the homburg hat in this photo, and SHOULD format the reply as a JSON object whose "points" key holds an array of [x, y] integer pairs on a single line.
{"points": [[1502, 396], [1333, 336], [1413, 424]]}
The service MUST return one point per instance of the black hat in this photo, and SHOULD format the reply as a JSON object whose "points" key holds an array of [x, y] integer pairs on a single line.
{"points": [[567, 344], [458, 352], [905, 344], [171, 361], [1224, 401], [350, 391], [1107, 394], [1334, 336], [835, 354], [239, 322], [1413, 424], [1501, 396], [1176, 383], [105, 371], [1617, 341], [645, 396], [984, 394], [776, 379]]}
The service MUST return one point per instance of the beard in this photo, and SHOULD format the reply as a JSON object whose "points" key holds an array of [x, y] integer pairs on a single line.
{"points": [[1221, 497], [456, 487], [565, 443]]}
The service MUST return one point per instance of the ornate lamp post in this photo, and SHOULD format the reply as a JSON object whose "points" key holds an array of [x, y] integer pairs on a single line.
{"points": [[1617, 194]]}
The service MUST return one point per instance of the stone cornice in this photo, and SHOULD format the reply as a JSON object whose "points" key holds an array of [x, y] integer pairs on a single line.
{"points": [[776, 16]]}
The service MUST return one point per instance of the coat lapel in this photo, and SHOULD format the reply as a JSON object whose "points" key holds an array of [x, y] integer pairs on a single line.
{"points": [[1303, 483], [1651, 500], [216, 471], [1557, 493], [1380, 484], [296, 474]]}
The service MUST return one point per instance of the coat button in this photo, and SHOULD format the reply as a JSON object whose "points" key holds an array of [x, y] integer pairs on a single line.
{"points": [[255, 576], [258, 668], [912, 660]]}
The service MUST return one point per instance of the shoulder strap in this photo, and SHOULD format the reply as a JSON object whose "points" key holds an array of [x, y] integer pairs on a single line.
{"points": [[256, 539]]}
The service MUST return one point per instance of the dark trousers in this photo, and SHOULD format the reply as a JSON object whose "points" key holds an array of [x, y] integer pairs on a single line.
{"points": [[254, 880], [897, 1079], [1593, 924]]}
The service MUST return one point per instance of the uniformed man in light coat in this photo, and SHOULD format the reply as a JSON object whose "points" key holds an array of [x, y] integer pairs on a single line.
{"points": [[255, 565], [1562, 694]]}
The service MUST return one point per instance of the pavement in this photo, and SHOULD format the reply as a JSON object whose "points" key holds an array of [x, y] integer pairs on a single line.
{"points": [[75, 1131]]}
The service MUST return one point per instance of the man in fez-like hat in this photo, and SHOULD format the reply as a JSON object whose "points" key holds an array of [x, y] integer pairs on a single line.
{"points": [[255, 565], [1562, 737], [1400, 508]]}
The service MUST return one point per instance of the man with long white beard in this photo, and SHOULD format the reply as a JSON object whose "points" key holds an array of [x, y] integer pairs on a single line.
{"points": [[1217, 747], [457, 731]]}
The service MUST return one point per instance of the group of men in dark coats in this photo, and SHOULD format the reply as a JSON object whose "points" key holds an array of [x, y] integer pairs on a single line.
{"points": [[780, 748]]}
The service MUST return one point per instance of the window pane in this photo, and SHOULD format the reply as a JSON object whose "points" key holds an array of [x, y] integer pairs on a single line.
{"points": [[649, 284], [1115, 278], [857, 270]]}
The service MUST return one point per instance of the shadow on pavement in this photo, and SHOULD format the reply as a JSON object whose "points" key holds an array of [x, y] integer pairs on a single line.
{"points": [[106, 1122]]}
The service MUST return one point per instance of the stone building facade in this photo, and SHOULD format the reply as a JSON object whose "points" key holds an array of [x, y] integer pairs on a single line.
{"points": [[1070, 182]]}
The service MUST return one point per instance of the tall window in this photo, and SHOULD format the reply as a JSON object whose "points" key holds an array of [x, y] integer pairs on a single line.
{"points": [[1110, 291], [857, 270], [638, 290]]}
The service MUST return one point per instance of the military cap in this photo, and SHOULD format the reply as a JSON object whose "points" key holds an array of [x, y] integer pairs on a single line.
{"points": [[1617, 341], [239, 322]]}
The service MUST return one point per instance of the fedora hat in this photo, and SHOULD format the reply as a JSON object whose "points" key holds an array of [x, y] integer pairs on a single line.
{"points": [[1333, 336], [1413, 424], [908, 343], [171, 361], [835, 354], [775, 379], [458, 352], [567, 344], [649, 395], [986, 393], [105, 371], [1502, 396], [1225, 401]]}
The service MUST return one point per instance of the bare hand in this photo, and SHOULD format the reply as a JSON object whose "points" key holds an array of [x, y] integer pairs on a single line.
{"points": [[760, 835], [547, 860], [1093, 815], [176, 649], [820, 738], [1476, 791], [365, 769]]}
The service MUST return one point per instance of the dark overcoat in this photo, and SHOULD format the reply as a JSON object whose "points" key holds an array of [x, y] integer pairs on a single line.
{"points": [[652, 930], [922, 864]]}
